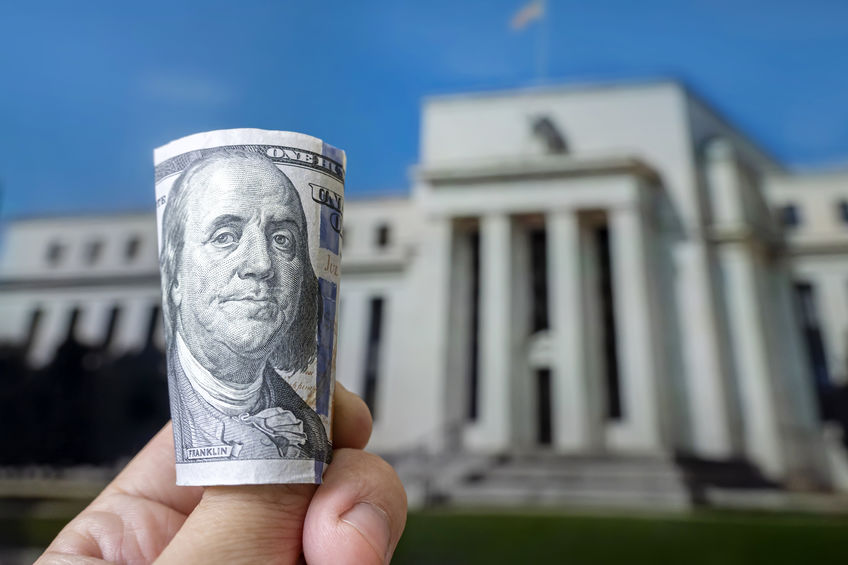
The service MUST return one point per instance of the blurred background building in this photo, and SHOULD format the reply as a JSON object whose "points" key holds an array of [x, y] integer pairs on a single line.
{"points": [[592, 295]]}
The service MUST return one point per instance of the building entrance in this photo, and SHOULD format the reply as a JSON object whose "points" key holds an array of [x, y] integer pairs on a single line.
{"points": [[544, 423]]}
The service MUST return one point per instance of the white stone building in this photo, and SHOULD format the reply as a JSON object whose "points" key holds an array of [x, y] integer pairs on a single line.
{"points": [[581, 272]]}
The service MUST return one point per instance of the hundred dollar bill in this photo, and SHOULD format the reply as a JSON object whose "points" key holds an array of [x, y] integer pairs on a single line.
{"points": [[249, 250]]}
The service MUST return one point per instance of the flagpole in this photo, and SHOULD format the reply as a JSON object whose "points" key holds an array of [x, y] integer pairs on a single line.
{"points": [[542, 44]]}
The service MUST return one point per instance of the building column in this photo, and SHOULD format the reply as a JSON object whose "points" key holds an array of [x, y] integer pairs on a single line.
{"points": [[413, 414], [572, 409], [637, 328], [752, 358], [132, 324], [94, 321], [523, 392], [54, 324], [713, 396], [493, 428], [458, 389], [350, 352]]}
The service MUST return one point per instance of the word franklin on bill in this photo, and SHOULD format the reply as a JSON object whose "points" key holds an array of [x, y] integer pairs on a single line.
{"points": [[249, 250]]}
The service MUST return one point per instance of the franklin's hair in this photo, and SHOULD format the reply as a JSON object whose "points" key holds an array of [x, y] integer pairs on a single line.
{"points": [[297, 346]]}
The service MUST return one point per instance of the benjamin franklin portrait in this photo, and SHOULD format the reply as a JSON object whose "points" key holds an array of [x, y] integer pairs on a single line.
{"points": [[241, 306]]}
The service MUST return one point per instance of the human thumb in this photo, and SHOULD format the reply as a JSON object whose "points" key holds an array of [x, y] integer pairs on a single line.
{"points": [[243, 524]]}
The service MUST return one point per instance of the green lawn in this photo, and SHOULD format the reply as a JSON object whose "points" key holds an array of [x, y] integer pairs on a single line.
{"points": [[715, 538], [32, 532], [467, 538]]}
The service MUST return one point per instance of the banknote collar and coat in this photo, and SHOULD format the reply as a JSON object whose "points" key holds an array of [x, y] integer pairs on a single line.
{"points": [[243, 422], [230, 398]]}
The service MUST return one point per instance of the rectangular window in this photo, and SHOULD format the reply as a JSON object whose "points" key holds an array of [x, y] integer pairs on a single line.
{"points": [[843, 211], [372, 354], [152, 325], [811, 328], [114, 316], [539, 279], [93, 252], [383, 236], [73, 320], [614, 409], [32, 333], [805, 299], [790, 216], [544, 425], [131, 251], [55, 252]]}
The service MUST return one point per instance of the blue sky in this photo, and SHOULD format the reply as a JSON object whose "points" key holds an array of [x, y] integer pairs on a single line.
{"points": [[88, 89]]}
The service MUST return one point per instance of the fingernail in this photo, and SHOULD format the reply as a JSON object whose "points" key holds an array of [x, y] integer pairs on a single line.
{"points": [[373, 523]]}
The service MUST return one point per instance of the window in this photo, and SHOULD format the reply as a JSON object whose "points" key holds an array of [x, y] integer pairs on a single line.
{"points": [[114, 317], [55, 252], [131, 250], [539, 279], [383, 236], [32, 333], [614, 404], [808, 314], [790, 216], [93, 252], [73, 321], [544, 420], [152, 325], [372, 354], [843, 211]]}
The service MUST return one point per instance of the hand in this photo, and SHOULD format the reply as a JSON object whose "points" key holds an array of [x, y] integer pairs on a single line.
{"points": [[356, 516]]}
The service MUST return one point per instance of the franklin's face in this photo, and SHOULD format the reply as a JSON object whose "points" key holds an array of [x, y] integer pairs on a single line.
{"points": [[240, 272]]}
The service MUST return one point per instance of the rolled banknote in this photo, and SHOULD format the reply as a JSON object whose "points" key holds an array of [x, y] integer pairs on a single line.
{"points": [[249, 251]]}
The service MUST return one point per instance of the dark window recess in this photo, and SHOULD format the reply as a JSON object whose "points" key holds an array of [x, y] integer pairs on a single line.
{"points": [[152, 323], [114, 316], [610, 344], [474, 338], [372, 354], [843, 211], [790, 216], [544, 431], [55, 252], [811, 328], [93, 252], [131, 251], [539, 280], [73, 320], [383, 236], [32, 333]]}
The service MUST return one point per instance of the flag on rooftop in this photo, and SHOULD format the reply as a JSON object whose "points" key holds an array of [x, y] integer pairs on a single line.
{"points": [[530, 12]]}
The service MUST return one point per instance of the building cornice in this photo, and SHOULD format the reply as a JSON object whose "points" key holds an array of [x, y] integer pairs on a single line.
{"points": [[390, 262], [533, 166], [796, 248], [76, 282]]}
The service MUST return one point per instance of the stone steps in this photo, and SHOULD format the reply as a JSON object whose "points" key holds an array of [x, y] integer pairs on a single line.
{"points": [[513, 479], [542, 479], [534, 495]]}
